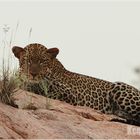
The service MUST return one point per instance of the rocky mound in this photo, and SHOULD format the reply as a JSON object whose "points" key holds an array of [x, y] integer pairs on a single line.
{"points": [[37, 117]]}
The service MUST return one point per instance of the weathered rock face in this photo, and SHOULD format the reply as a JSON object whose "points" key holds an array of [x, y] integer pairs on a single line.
{"points": [[38, 117]]}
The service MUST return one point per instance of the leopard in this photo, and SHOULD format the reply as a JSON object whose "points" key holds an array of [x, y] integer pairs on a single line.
{"points": [[40, 63]]}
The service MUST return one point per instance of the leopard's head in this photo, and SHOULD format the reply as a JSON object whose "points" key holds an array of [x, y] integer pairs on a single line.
{"points": [[35, 60]]}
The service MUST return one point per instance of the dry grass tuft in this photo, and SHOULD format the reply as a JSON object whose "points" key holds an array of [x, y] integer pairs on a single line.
{"points": [[7, 86]]}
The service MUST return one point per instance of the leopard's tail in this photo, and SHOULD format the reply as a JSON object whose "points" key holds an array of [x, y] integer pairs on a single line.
{"points": [[131, 116]]}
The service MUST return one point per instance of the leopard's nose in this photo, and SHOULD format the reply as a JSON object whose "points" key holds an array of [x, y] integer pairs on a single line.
{"points": [[34, 70], [33, 74]]}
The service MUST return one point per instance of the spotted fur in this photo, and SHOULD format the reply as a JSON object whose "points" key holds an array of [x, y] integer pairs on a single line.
{"points": [[39, 63]]}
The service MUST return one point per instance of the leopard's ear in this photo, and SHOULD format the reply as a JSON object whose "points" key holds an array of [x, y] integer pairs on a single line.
{"points": [[17, 51], [53, 51]]}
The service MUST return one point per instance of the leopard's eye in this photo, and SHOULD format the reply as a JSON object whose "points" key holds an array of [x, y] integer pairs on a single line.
{"points": [[41, 63]]}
